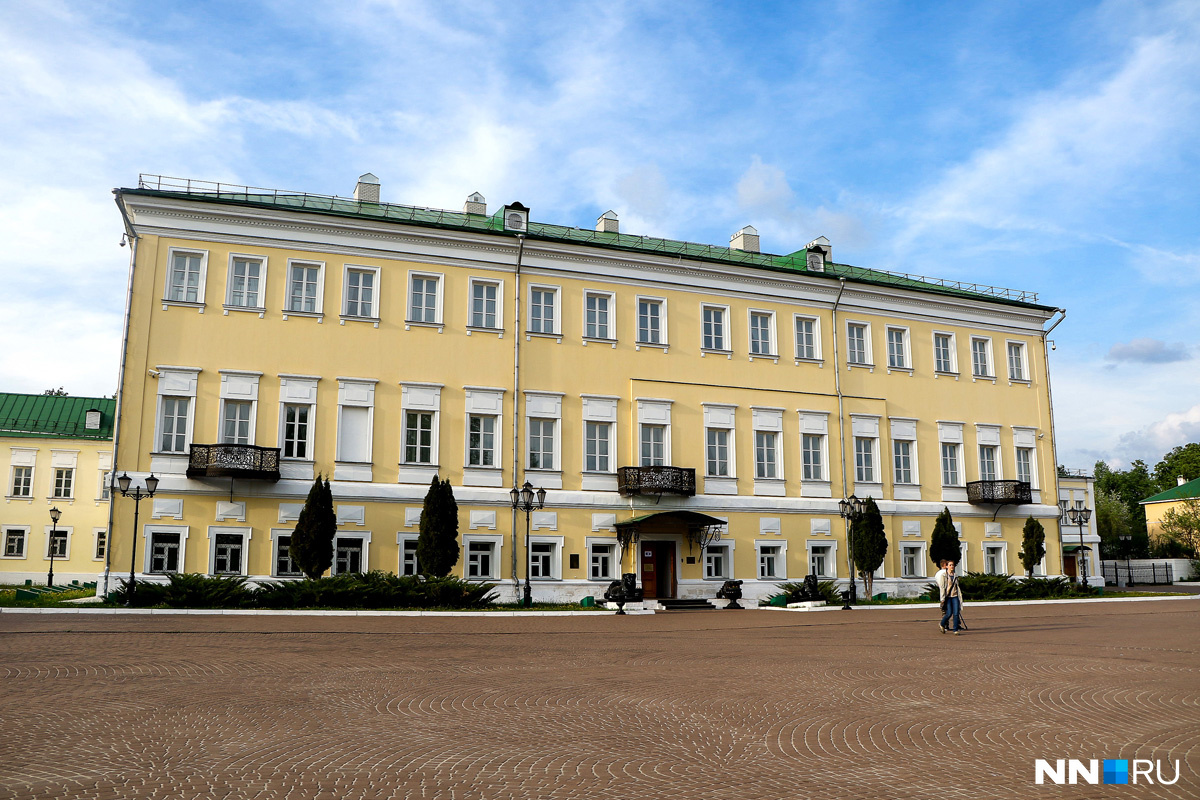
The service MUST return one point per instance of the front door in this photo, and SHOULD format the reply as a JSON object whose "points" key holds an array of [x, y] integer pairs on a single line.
{"points": [[658, 569], [1069, 565]]}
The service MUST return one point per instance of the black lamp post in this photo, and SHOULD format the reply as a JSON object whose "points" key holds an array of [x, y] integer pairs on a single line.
{"points": [[123, 483], [54, 515], [1080, 517], [850, 508], [527, 499], [1127, 545]]}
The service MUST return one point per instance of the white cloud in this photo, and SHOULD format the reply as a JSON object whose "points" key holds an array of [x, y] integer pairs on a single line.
{"points": [[1149, 351], [1155, 440]]}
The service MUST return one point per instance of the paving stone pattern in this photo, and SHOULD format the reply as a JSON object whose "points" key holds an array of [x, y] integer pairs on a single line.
{"points": [[728, 705]]}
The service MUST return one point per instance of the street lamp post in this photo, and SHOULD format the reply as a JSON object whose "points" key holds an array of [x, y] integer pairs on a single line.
{"points": [[850, 508], [1126, 545], [54, 515], [1080, 517], [123, 483], [527, 499]]}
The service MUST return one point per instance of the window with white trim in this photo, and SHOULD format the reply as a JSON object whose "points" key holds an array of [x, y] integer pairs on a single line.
{"points": [[296, 430], [951, 474], [902, 460], [897, 344], [807, 346], [235, 421], [22, 482], [654, 445], [820, 560], [409, 564], [601, 559], [858, 343], [993, 560], [164, 552], [361, 292], [418, 437], [348, 555], [246, 278], [543, 560], [185, 278], [354, 434], [762, 333], [717, 452], [713, 328], [597, 447], [64, 483], [173, 424], [14, 542], [766, 455], [58, 543], [864, 460], [812, 448], [981, 357], [285, 567], [485, 304], [543, 309], [770, 562], [423, 298], [304, 287], [652, 321], [944, 359], [598, 315], [541, 443], [481, 560], [912, 561], [718, 562], [227, 554], [1016, 362], [101, 545], [481, 440], [987, 463], [1024, 462]]}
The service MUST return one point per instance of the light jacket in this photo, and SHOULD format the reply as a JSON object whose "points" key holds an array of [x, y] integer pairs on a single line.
{"points": [[948, 585]]}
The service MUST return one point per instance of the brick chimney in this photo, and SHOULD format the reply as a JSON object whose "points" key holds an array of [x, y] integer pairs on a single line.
{"points": [[608, 222], [367, 190], [746, 239], [475, 204]]}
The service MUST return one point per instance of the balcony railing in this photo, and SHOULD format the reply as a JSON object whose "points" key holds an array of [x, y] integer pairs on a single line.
{"points": [[999, 492], [656, 480], [233, 461]]}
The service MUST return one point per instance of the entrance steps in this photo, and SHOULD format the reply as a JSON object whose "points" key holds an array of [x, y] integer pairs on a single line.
{"points": [[693, 604]]}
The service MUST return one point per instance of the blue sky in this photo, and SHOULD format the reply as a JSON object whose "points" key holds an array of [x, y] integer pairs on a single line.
{"points": [[1052, 147]]}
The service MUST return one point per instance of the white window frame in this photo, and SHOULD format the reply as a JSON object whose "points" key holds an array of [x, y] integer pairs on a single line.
{"points": [[555, 452], [1033, 470], [994, 545], [645, 428], [499, 314], [730, 460], [990, 374], [653, 412], [545, 407], [276, 535], [496, 543], [556, 327], [611, 312], [309, 430], [922, 570], [905, 348], [913, 479], [952, 353], [402, 540], [432, 446], [594, 543], [610, 442], [55, 493], [726, 555], [995, 451], [318, 301], [776, 462], [364, 538], [160, 428], [831, 549], [494, 449], [354, 468], [24, 531], [261, 306], [726, 333], [662, 321], [12, 481], [62, 533], [772, 351], [439, 290], [244, 532], [148, 532], [816, 336], [99, 536], [780, 546], [378, 275], [821, 472], [175, 383], [556, 553], [958, 471], [873, 453], [1023, 377], [203, 278], [225, 408], [868, 353]]}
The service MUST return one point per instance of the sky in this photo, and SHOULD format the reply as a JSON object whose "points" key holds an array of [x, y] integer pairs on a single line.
{"points": [[1050, 147]]}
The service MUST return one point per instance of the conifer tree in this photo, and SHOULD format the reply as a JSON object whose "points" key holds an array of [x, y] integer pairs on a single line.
{"points": [[944, 542], [311, 547], [1033, 545], [437, 544], [870, 542]]}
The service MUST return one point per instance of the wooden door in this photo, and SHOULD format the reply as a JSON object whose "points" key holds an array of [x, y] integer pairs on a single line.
{"points": [[1070, 565], [649, 569]]}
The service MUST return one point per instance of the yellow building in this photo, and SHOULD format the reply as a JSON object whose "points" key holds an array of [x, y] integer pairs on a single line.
{"points": [[60, 452], [1174, 498], [662, 392]]}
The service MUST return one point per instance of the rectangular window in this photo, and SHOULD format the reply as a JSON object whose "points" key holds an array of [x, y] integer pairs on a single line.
{"points": [[994, 561], [14, 543], [22, 482], [806, 337], [714, 328], [987, 463], [911, 561], [950, 465], [408, 558], [820, 561], [864, 459], [245, 282], [481, 441], [484, 304], [354, 434], [304, 282], [479, 559], [227, 554], [185, 280], [360, 293], [770, 561], [812, 454], [981, 362], [348, 553], [105, 485], [897, 342], [284, 566], [716, 562], [418, 437], [57, 544], [295, 431], [540, 556], [541, 443], [650, 321], [766, 455], [596, 445], [856, 343], [902, 456], [654, 452], [541, 310], [64, 483], [422, 301], [718, 452], [597, 317], [101, 545], [600, 562], [164, 552], [943, 352], [174, 424], [1016, 361], [761, 336], [1025, 464], [235, 426]]}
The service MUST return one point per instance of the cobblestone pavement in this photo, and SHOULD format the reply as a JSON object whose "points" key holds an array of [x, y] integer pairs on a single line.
{"points": [[728, 705]]}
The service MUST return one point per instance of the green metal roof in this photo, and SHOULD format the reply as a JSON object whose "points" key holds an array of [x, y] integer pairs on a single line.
{"points": [[679, 515], [40, 416], [1184, 491], [794, 263]]}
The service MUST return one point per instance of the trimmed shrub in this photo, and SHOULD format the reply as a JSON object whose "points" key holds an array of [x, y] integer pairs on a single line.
{"points": [[794, 591], [978, 586], [188, 590]]}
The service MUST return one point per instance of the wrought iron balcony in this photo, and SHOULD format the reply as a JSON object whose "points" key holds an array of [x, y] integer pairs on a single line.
{"points": [[233, 461], [999, 492], [656, 480]]}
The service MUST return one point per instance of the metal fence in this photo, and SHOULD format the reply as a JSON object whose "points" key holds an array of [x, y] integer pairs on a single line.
{"points": [[1137, 573]]}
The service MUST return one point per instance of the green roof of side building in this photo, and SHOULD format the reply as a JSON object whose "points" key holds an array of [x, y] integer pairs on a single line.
{"points": [[1183, 491], [41, 415]]}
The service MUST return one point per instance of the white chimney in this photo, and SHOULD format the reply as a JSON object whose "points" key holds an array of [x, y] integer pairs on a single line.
{"points": [[1179, 481], [819, 252], [746, 239], [608, 222], [367, 190], [475, 204], [516, 217]]}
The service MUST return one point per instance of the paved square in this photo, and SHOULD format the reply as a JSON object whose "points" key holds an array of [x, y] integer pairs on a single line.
{"points": [[756, 704]]}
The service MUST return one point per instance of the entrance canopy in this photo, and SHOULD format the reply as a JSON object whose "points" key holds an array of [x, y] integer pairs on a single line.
{"points": [[691, 519], [1071, 548]]}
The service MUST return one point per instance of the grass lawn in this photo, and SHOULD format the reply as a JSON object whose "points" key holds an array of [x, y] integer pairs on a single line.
{"points": [[8, 598]]}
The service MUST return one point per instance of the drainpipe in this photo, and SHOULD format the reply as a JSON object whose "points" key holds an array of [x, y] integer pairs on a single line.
{"points": [[133, 247], [516, 449], [1050, 400], [837, 387]]}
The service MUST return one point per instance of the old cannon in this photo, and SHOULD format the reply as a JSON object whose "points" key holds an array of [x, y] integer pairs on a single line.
{"points": [[731, 591]]}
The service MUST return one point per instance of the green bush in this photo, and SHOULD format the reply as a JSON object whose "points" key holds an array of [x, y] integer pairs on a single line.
{"points": [[188, 590], [794, 591], [978, 586]]}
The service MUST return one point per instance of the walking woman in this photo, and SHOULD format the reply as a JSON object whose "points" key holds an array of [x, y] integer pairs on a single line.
{"points": [[947, 582]]}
